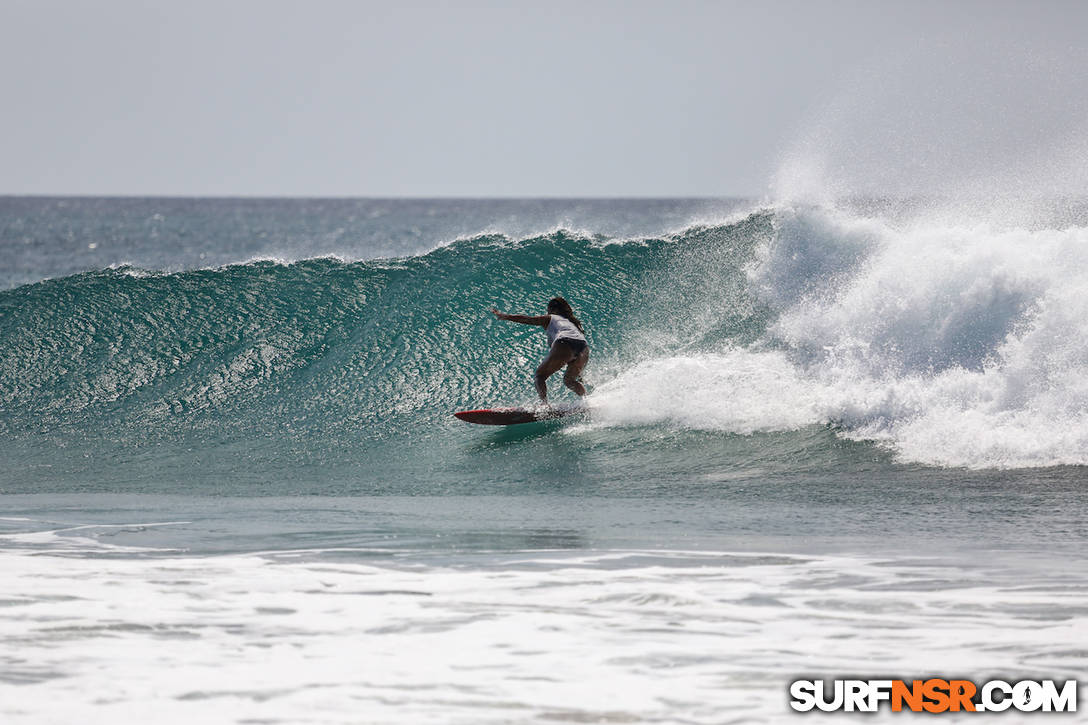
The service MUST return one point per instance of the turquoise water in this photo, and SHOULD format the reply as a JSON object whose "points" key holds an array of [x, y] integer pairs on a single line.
{"points": [[814, 434]]}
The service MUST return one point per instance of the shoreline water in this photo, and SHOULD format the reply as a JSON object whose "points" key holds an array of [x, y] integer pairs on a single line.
{"points": [[532, 636]]}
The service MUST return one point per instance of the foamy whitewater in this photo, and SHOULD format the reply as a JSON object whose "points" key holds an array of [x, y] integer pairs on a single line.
{"points": [[955, 345], [823, 439]]}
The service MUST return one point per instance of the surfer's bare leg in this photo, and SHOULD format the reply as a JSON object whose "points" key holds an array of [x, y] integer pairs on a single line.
{"points": [[574, 371], [558, 356]]}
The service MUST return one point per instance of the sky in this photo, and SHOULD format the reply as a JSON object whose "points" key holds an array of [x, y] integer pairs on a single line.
{"points": [[567, 99]]}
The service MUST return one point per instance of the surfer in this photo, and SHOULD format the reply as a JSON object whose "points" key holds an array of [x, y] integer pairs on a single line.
{"points": [[566, 345]]}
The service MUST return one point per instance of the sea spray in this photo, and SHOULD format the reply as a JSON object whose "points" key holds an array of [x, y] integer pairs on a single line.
{"points": [[956, 346]]}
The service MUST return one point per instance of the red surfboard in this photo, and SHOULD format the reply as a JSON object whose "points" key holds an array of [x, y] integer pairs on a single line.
{"points": [[513, 416]]}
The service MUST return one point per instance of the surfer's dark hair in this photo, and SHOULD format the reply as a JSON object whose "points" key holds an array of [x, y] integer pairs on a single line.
{"points": [[559, 306]]}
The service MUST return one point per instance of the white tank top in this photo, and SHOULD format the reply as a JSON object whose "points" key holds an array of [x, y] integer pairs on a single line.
{"points": [[560, 328]]}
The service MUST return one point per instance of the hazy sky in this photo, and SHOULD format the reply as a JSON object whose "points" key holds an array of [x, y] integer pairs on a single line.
{"points": [[504, 98]]}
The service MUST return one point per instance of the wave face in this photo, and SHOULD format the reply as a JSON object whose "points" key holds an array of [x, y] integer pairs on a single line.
{"points": [[320, 344], [948, 345]]}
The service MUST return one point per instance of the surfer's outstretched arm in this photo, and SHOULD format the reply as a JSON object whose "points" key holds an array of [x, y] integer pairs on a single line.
{"points": [[541, 320]]}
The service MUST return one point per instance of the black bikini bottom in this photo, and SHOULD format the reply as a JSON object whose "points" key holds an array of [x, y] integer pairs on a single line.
{"points": [[576, 346]]}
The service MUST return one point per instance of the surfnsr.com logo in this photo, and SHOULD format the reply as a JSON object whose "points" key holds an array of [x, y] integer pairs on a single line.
{"points": [[933, 695]]}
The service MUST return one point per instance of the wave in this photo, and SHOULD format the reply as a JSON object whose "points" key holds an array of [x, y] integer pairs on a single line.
{"points": [[952, 345], [316, 345]]}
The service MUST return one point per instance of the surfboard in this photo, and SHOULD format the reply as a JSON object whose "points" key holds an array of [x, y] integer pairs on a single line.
{"points": [[513, 416]]}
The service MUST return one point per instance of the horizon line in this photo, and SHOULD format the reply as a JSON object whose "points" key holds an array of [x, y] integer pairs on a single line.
{"points": [[439, 197]]}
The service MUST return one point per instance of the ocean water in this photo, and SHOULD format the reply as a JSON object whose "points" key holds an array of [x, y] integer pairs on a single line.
{"points": [[822, 440]]}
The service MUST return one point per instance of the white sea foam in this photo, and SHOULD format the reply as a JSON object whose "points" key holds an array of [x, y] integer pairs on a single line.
{"points": [[609, 636], [957, 345], [85, 538], [737, 390]]}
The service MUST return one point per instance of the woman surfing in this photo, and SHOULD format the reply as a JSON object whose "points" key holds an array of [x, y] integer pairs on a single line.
{"points": [[566, 345]]}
